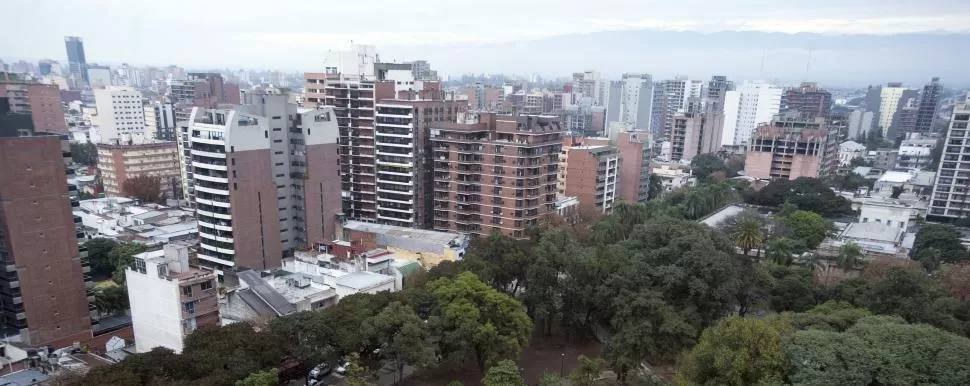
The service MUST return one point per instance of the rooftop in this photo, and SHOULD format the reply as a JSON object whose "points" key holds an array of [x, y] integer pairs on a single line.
{"points": [[363, 280], [420, 240]]}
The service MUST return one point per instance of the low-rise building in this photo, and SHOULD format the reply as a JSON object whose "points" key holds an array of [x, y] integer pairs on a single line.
{"points": [[122, 219], [120, 162], [850, 150], [169, 298], [673, 175], [425, 246], [915, 152]]}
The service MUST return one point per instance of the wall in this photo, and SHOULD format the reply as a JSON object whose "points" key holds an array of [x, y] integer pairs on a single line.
{"points": [[157, 322], [893, 216]]}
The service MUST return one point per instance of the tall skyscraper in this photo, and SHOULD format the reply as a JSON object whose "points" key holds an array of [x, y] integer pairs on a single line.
{"points": [[264, 180], [951, 193], [77, 64], [713, 127], [753, 103], [43, 287], [929, 103]]}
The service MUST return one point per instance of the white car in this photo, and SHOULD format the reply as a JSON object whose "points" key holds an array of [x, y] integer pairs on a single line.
{"points": [[342, 368]]}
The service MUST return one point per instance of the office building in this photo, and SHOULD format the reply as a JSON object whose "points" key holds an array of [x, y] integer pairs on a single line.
{"points": [[788, 147], [41, 101], [589, 173], [44, 285], [589, 84], [183, 298], [612, 99], [950, 193], [121, 116], [119, 162], [77, 64], [883, 101], [807, 99], [929, 103], [495, 172], [753, 103], [263, 179], [904, 119], [685, 136]]}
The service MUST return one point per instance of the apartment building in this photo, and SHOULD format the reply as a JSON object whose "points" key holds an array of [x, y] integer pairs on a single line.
{"points": [[589, 173], [753, 103], [685, 136], [404, 161], [160, 120], [951, 189], [183, 298], [264, 180], [119, 162], [636, 102], [41, 101], [121, 115], [44, 287], [201, 89], [807, 99], [788, 147], [929, 103], [495, 172], [915, 151]]}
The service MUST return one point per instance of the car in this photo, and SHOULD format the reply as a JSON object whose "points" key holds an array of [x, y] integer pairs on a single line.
{"points": [[320, 371], [342, 368]]}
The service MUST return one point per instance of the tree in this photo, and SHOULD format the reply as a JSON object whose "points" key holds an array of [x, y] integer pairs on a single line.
{"points": [[656, 187], [551, 379], [850, 255], [747, 233], [945, 239], [955, 280], [474, 319], [121, 256], [99, 250], [808, 194], [647, 328], [781, 250], [808, 227], [792, 289], [85, 153], [703, 165], [503, 262], [737, 351], [914, 296], [588, 372], [357, 375], [859, 161], [503, 373], [402, 336], [144, 188], [262, 378], [112, 300]]}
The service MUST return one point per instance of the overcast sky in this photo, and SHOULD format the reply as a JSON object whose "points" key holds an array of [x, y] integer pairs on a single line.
{"points": [[293, 34]]}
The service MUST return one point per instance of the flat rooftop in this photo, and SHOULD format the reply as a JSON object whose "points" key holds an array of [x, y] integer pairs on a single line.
{"points": [[409, 238]]}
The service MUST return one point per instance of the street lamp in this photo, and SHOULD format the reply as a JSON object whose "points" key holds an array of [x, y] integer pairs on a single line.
{"points": [[562, 365]]}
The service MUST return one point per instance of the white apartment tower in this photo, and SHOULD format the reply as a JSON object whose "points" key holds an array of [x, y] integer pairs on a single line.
{"points": [[121, 115], [951, 193], [889, 97], [636, 100], [753, 103]]}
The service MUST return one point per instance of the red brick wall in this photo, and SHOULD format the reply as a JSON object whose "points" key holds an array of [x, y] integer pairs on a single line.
{"points": [[46, 110], [322, 196], [255, 210]]}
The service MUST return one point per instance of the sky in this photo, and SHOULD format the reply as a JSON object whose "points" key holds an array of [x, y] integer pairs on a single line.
{"points": [[468, 36]]}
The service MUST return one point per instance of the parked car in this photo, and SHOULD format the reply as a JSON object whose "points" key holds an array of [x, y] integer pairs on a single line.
{"points": [[319, 371], [342, 368]]}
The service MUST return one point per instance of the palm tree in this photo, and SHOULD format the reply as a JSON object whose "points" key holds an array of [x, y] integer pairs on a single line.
{"points": [[850, 255], [747, 234], [780, 251]]}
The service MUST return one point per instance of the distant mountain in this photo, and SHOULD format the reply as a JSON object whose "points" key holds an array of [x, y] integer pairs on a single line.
{"points": [[836, 60]]}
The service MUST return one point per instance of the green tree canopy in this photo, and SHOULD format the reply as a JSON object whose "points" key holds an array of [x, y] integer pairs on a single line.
{"points": [[943, 238], [503, 373], [402, 336], [262, 378], [808, 227], [737, 351]]}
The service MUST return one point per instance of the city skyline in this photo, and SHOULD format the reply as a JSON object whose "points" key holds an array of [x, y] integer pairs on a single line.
{"points": [[829, 41]]}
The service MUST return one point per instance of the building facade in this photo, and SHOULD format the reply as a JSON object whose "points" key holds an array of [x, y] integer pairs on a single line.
{"points": [[789, 147], [951, 190], [589, 173], [121, 115], [264, 180], [44, 285], [929, 103], [495, 172], [118, 163], [753, 103], [77, 64], [41, 101], [685, 136], [807, 99]]}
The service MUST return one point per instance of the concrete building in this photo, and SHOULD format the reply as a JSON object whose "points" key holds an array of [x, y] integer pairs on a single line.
{"points": [[264, 180], [636, 100], [714, 118], [182, 298], [201, 89], [124, 220], [425, 246], [495, 172], [915, 152], [788, 147], [860, 123], [807, 99], [77, 64], [41, 101], [118, 163], [685, 136], [403, 160], [950, 193], [673, 175], [850, 150], [753, 103], [929, 104], [121, 117], [99, 76], [894, 214], [160, 118], [44, 283], [888, 98], [904, 119], [589, 173]]}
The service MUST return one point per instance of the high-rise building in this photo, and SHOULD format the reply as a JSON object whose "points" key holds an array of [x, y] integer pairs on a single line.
{"points": [[788, 147], [612, 98], [41, 101], [588, 83], [43, 287], [119, 162], [951, 191], [121, 115], [860, 123], [807, 99], [589, 173], [495, 172], [202, 89], [77, 64], [160, 118], [685, 136], [99, 76], [264, 180], [636, 102], [883, 101], [929, 103], [713, 127], [753, 103], [183, 298], [904, 120]]}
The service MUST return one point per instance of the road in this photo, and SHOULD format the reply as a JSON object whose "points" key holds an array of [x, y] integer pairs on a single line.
{"points": [[386, 376]]}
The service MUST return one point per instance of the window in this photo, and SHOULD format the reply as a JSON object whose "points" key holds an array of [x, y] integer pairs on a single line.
{"points": [[277, 129], [277, 117], [187, 291], [138, 266], [206, 285], [265, 134], [190, 307], [277, 141], [162, 270]]}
